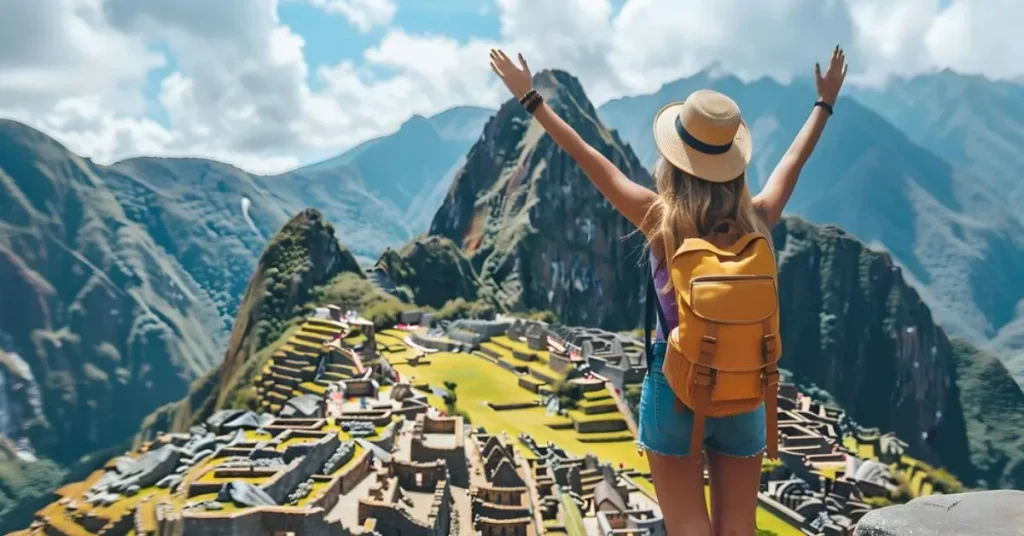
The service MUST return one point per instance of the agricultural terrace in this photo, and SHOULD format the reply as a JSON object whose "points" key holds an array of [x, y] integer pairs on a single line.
{"points": [[481, 381]]}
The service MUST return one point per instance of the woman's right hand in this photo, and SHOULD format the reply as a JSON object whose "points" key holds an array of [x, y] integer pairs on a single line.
{"points": [[517, 79]]}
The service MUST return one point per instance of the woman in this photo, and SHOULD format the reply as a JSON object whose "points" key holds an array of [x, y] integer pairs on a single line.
{"points": [[701, 192]]}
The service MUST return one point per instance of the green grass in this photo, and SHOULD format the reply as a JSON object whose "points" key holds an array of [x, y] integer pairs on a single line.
{"points": [[573, 518], [480, 381]]}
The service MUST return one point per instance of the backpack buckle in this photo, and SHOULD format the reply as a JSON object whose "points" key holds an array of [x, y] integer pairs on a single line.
{"points": [[768, 344], [708, 345], [705, 377]]}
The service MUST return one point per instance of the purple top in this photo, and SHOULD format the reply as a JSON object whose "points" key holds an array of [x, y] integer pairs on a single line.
{"points": [[665, 300]]}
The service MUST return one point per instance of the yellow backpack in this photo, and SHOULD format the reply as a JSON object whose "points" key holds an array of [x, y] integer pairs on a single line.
{"points": [[721, 359]]}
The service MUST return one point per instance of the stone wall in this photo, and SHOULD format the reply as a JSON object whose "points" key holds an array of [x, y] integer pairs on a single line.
{"points": [[435, 344], [499, 527], [587, 427], [344, 483], [508, 496], [261, 520], [488, 328], [301, 469], [449, 425], [386, 439], [391, 520], [499, 511], [432, 473]]}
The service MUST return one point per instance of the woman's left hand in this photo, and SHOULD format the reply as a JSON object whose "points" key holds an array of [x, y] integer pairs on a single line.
{"points": [[832, 81], [518, 80]]}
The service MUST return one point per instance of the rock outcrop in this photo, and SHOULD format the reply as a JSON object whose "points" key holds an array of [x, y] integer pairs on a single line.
{"points": [[433, 269], [983, 513], [853, 326], [539, 235], [302, 256]]}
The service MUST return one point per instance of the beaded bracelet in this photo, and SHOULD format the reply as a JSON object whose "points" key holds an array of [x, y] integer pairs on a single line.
{"points": [[534, 103]]}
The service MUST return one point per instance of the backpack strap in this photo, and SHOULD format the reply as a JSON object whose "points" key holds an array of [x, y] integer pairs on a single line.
{"points": [[704, 383], [652, 303], [770, 380]]}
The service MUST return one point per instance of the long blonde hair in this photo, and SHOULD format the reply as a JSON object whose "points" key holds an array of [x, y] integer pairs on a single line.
{"points": [[688, 207]]}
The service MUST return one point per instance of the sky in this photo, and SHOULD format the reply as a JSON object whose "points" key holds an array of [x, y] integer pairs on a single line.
{"points": [[269, 85]]}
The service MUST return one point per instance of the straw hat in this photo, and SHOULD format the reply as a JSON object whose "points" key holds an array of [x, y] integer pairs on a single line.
{"points": [[704, 136]]}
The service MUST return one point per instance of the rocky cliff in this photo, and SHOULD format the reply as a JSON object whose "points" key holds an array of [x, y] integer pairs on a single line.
{"points": [[302, 256], [100, 325], [852, 325], [537, 232]]}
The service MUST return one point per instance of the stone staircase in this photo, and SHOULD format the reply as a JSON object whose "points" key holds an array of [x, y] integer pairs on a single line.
{"points": [[381, 281]]}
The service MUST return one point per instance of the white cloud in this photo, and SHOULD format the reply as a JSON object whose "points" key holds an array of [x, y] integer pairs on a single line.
{"points": [[239, 92], [363, 14]]}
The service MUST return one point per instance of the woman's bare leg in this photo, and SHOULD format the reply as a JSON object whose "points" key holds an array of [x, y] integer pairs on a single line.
{"points": [[679, 484], [734, 486]]}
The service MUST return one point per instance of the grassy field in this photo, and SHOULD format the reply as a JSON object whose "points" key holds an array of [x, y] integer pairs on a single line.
{"points": [[480, 381], [573, 517]]}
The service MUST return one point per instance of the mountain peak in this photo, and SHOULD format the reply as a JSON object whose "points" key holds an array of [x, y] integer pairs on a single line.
{"points": [[520, 202]]}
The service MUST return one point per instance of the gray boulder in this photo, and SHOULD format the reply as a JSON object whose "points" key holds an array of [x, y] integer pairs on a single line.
{"points": [[982, 513], [246, 421], [244, 494], [221, 417], [304, 406]]}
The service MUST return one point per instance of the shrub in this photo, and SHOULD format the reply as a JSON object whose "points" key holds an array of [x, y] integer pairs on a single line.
{"points": [[460, 308]]}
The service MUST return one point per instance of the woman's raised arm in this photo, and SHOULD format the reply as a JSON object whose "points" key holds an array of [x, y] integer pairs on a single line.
{"points": [[628, 197], [777, 191]]}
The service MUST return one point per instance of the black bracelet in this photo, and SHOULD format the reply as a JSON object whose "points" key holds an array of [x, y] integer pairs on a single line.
{"points": [[529, 95], [825, 105], [534, 103]]}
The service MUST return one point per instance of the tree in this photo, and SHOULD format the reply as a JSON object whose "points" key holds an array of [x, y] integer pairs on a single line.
{"points": [[450, 398]]}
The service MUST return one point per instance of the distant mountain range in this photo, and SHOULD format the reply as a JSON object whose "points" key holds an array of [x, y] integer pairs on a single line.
{"points": [[523, 230], [128, 278], [133, 272], [954, 227], [413, 168]]}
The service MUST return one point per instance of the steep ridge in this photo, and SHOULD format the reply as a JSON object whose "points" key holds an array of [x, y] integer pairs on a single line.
{"points": [[535, 230], [193, 209], [974, 123], [853, 326], [303, 255], [101, 325], [959, 239]]}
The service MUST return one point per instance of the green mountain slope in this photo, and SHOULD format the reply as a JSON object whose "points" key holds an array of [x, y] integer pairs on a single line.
{"points": [[959, 239], [302, 256], [853, 326], [106, 323]]}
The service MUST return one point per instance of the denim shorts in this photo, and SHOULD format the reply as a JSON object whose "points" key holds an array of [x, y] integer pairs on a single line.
{"points": [[666, 430]]}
